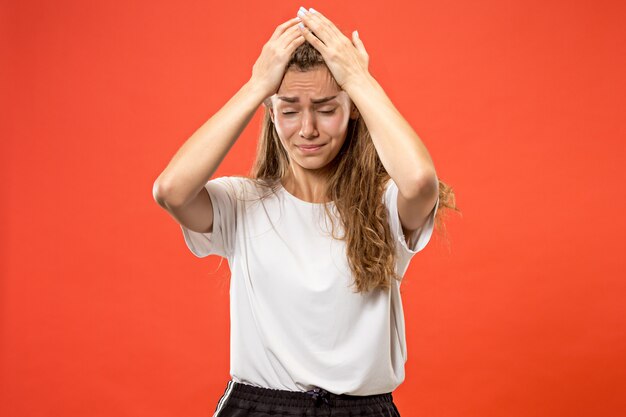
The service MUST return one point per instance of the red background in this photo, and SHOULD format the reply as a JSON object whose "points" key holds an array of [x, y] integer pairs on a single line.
{"points": [[104, 311]]}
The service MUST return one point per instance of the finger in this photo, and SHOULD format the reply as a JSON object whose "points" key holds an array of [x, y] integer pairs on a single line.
{"points": [[325, 21], [356, 40], [317, 27], [295, 43], [289, 35], [312, 39], [280, 29]]}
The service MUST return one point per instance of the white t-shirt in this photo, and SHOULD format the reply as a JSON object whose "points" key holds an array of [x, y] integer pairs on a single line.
{"points": [[296, 322]]}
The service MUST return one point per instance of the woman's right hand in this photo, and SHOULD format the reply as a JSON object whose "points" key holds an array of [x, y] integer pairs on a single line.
{"points": [[269, 69]]}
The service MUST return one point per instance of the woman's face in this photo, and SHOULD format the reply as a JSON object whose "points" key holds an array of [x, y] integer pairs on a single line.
{"points": [[311, 114]]}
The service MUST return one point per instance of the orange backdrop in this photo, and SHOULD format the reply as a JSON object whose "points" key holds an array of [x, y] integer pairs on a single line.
{"points": [[521, 312]]}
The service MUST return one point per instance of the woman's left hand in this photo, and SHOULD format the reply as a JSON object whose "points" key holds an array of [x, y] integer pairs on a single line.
{"points": [[347, 60]]}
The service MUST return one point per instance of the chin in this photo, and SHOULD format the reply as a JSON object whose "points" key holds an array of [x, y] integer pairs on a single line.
{"points": [[312, 165]]}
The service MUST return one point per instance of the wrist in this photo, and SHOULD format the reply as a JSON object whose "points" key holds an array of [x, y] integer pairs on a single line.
{"points": [[359, 82], [257, 89]]}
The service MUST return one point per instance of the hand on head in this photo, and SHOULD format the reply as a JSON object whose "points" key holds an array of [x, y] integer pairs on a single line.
{"points": [[347, 60], [269, 69]]}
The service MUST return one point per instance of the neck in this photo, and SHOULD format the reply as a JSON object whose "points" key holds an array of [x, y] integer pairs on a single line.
{"points": [[307, 185]]}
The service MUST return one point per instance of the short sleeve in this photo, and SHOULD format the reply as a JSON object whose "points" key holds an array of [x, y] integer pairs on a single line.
{"points": [[223, 194], [420, 237]]}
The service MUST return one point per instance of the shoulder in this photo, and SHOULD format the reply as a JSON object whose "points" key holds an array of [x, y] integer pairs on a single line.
{"points": [[232, 181], [241, 187]]}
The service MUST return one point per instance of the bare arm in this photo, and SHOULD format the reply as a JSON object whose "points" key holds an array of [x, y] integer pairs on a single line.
{"points": [[400, 149], [198, 158], [179, 189]]}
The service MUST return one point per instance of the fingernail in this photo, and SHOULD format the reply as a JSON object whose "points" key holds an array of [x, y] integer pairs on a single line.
{"points": [[357, 33], [302, 11], [301, 25], [312, 10]]}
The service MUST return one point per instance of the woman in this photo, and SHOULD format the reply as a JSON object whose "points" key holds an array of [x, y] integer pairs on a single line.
{"points": [[342, 194]]}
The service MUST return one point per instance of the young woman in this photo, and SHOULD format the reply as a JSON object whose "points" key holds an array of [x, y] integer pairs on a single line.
{"points": [[342, 194]]}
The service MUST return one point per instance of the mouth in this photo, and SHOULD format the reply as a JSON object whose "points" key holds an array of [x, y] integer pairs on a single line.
{"points": [[308, 149]]}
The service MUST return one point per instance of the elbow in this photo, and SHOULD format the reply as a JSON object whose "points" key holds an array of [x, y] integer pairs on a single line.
{"points": [[431, 183], [424, 185], [158, 193], [164, 195]]}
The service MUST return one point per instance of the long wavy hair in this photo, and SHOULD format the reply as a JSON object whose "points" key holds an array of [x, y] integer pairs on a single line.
{"points": [[356, 184]]}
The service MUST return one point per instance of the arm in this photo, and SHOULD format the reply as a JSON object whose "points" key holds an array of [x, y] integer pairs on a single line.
{"points": [[401, 151], [180, 187], [198, 158]]}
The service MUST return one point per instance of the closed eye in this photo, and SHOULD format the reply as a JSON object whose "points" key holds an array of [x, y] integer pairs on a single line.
{"points": [[323, 112]]}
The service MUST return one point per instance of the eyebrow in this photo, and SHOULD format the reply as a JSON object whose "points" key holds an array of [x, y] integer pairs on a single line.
{"points": [[314, 100]]}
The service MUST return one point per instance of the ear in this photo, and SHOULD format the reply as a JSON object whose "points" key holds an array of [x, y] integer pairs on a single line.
{"points": [[354, 112]]}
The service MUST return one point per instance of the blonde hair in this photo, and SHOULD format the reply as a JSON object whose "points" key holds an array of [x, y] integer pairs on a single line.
{"points": [[356, 185]]}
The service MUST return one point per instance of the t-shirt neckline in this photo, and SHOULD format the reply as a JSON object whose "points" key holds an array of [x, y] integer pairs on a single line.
{"points": [[294, 198]]}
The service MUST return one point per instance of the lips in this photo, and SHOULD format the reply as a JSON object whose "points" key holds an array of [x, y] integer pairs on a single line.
{"points": [[310, 148]]}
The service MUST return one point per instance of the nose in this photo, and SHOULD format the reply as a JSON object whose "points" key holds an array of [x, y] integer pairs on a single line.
{"points": [[308, 127]]}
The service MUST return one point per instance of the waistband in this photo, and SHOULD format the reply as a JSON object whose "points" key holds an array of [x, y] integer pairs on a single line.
{"points": [[316, 396]]}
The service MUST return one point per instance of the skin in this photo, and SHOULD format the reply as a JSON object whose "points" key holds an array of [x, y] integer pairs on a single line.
{"points": [[299, 120]]}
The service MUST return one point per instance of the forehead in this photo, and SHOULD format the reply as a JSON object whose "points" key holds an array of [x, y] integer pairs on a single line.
{"points": [[314, 83]]}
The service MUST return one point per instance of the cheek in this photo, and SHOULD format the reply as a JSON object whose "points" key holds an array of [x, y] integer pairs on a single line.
{"points": [[335, 124], [286, 126]]}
